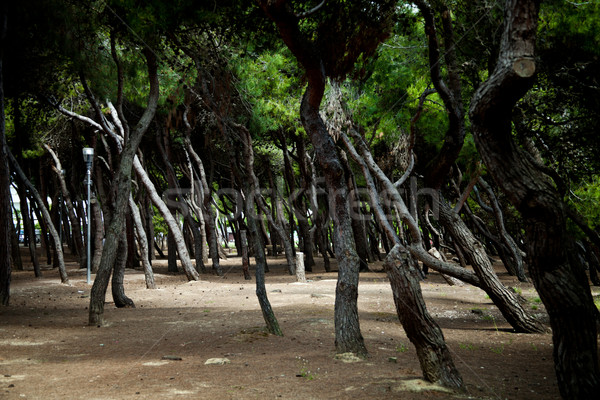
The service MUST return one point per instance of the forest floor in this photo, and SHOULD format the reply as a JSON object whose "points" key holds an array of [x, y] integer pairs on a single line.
{"points": [[159, 349]]}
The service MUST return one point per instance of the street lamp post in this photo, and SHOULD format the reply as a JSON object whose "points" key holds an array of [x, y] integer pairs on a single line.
{"points": [[88, 157], [60, 209]]}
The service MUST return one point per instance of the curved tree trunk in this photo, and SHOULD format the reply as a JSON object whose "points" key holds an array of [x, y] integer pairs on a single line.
{"points": [[252, 197], [514, 253], [123, 190], [348, 337], [557, 275], [46, 215], [434, 356], [117, 289]]}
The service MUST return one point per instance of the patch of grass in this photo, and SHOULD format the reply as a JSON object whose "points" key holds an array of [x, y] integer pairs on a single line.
{"points": [[517, 290], [537, 300], [466, 346], [304, 371], [534, 307], [498, 350], [534, 347], [401, 348]]}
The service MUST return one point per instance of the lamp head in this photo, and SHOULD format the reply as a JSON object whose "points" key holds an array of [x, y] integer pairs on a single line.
{"points": [[88, 156]]}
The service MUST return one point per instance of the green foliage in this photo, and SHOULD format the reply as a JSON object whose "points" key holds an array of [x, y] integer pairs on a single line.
{"points": [[586, 200], [160, 226], [560, 113], [270, 83], [384, 99]]}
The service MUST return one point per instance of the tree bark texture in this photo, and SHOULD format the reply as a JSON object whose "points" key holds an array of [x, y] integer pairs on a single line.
{"points": [[5, 210], [142, 240], [347, 326], [506, 301], [556, 273], [348, 337], [434, 356], [174, 229], [422, 330], [116, 285], [123, 190], [98, 234]]}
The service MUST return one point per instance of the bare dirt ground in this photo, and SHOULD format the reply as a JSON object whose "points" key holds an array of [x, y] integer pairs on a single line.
{"points": [[159, 349]]}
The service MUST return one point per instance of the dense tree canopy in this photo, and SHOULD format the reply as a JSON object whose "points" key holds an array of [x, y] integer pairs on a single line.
{"points": [[346, 129]]}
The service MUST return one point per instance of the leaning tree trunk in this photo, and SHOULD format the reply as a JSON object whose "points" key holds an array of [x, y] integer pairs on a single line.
{"points": [[123, 190], [506, 301], [556, 273], [422, 330], [57, 167], [174, 230], [142, 240], [46, 215], [513, 252], [252, 196]]}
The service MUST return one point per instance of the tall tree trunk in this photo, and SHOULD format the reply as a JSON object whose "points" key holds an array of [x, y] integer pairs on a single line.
{"points": [[44, 240], [5, 211], [261, 291], [348, 337], [258, 199], [252, 196], [133, 259], [557, 275], [300, 206], [98, 234], [244, 254], [123, 190], [358, 229]]}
